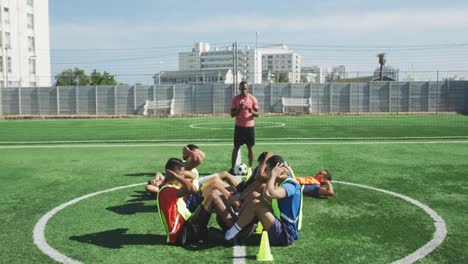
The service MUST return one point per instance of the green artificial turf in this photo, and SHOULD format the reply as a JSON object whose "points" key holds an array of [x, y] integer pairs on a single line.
{"points": [[216, 128], [354, 226]]}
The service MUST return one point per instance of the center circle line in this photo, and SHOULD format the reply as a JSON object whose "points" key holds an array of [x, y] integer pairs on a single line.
{"points": [[439, 223]]}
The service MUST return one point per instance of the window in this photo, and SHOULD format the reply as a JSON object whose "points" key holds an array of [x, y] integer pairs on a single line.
{"points": [[30, 2], [32, 66], [9, 64], [30, 20], [7, 40], [31, 43], [6, 12]]}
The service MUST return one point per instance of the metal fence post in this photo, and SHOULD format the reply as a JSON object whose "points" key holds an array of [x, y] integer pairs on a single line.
{"points": [[213, 109], [389, 109], [1, 100], [428, 107], [192, 99], [38, 101], [76, 100], [96, 99], [369, 97], [134, 100], [174, 97], [438, 93], [409, 98], [57, 95], [271, 98], [115, 100], [19, 101]]}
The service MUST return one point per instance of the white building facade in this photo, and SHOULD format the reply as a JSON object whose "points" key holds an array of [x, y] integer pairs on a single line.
{"points": [[255, 65], [24, 43], [265, 64], [203, 58], [316, 74], [221, 76]]}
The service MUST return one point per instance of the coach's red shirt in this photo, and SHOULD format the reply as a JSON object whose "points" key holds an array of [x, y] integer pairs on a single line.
{"points": [[245, 118]]}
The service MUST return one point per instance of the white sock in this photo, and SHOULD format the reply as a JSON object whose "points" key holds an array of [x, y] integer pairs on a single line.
{"points": [[232, 232]]}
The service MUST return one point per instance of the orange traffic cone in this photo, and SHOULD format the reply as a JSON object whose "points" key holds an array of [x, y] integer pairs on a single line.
{"points": [[264, 253]]}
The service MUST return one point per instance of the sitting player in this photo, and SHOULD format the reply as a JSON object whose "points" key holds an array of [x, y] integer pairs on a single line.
{"points": [[280, 218], [182, 226], [192, 157], [254, 184]]}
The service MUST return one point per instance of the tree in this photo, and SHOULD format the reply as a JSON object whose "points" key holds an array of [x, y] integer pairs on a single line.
{"points": [[102, 79], [279, 77], [381, 57], [72, 77], [77, 76]]}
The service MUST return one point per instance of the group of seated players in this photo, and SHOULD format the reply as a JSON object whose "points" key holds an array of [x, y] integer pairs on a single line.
{"points": [[271, 196]]}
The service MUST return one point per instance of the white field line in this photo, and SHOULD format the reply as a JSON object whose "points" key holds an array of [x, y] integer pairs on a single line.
{"points": [[239, 251], [439, 224], [239, 254], [230, 144], [38, 233], [207, 125], [222, 140]]}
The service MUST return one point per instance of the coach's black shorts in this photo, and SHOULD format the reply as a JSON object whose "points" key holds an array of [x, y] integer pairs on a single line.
{"points": [[244, 135]]}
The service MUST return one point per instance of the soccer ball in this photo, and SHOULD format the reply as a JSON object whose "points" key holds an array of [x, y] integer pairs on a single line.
{"points": [[241, 169]]}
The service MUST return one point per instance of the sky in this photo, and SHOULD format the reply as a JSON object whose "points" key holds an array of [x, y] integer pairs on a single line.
{"points": [[142, 37], [95, 24]]}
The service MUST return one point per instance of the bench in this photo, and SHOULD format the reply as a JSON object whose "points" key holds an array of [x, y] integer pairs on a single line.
{"points": [[298, 102], [159, 104]]}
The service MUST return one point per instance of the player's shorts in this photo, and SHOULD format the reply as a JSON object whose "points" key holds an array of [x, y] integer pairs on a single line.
{"points": [[311, 190], [195, 229], [244, 135], [280, 234]]}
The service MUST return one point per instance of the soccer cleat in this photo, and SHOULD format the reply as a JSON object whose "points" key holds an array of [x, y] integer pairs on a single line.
{"points": [[246, 231], [231, 171]]}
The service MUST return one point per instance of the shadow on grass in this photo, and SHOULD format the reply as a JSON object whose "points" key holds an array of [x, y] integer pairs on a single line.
{"points": [[117, 238], [136, 204], [133, 208], [141, 196]]}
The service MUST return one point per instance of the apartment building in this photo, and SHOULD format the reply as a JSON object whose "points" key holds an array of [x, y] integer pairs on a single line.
{"points": [[24, 43], [280, 60], [316, 74], [220, 76], [204, 59]]}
